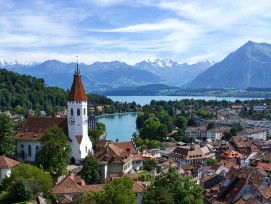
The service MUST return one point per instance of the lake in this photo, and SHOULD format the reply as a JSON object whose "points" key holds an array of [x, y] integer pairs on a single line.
{"points": [[143, 100], [119, 126], [122, 126]]}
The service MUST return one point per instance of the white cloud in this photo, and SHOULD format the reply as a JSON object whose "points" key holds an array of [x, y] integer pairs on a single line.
{"points": [[185, 30]]}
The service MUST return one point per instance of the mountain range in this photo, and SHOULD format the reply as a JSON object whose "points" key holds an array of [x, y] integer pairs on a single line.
{"points": [[106, 76], [248, 66]]}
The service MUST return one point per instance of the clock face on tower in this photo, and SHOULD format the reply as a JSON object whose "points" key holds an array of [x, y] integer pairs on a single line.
{"points": [[71, 121]]}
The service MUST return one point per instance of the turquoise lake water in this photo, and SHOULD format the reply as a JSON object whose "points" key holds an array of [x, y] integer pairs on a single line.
{"points": [[119, 126], [122, 126]]}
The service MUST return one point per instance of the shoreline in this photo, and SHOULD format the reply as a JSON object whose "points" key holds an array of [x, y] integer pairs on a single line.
{"points": [[114, 114]]}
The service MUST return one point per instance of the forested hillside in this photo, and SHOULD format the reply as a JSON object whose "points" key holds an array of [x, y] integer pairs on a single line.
{"points": [[22, 92], [19, 93]]}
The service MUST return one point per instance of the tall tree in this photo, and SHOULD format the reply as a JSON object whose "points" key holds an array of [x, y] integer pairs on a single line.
{"points": [[55, 152], [182, 189], [7, 144], [157, 195], [118, 191], [149, 129], [90, 171]]}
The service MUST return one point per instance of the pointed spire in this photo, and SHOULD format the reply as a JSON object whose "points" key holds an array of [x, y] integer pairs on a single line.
{"points": [[77, 69], [77, 91]]}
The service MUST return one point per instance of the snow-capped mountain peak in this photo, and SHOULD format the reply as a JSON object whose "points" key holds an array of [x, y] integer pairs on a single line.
{"points": [[161, 62], [16, 62]]}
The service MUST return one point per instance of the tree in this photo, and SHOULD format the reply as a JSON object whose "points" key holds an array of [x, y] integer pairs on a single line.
{"points": [[149, 164], [55, 152], [21, 191], [181, 122], [211, 161], [118, 191], [182, 189], [210, 126], [149, 129], [37, 179], [94, 135], [157, 195], [90, 170], [192, 122], [7, 144]]}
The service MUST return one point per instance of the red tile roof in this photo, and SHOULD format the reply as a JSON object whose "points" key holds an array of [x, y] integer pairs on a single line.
{"points": [[35, 127], [77, 92], [6, 163], [113, 154]]}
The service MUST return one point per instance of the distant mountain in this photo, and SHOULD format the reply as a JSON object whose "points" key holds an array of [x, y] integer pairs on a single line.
{"points": [[102, 76], [249, 66], [173, 73], [146, 90]]}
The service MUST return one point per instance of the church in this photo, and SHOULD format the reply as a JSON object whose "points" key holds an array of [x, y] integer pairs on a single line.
{"points": [[75, 126]]}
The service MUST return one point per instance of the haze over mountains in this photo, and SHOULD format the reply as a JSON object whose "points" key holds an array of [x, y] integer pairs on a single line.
{"points": [[248, 66]]}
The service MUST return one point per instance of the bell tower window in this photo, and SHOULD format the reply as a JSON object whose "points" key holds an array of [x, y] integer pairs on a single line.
{"points": [[71, 111], [84, 111], [78, 111]]}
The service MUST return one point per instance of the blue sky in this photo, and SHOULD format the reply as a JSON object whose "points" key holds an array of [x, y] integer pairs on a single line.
{"points": [[130, 30]]}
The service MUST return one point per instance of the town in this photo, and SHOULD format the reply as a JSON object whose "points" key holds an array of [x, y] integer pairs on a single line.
{"points": [[190, 151]]}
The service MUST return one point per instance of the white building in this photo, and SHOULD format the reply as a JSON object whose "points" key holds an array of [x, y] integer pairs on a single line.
{"points": [[75, 126], [254, 133], [6, 164], [217, 133]]}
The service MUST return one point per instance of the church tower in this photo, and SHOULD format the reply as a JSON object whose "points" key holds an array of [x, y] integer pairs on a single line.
{"points": [[78, 119]]}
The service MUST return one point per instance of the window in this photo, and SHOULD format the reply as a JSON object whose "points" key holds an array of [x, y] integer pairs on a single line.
{"points": [[71, 111], [78, 111], [37, 148], [29, 151], [86, 149], [22, 146], [84, 111]]}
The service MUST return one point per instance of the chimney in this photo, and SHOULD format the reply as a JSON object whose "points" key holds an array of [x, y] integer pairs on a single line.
{"points": [[107, 147]]}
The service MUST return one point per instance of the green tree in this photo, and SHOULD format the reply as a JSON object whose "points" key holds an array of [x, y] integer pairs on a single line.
{"points": [[211, 161], [55, 152], [21, 191], [210, 126], [37, 179], [149, 164], [118, 191], [90, 171], [157, 195], [7, 144], [181, 122], [182, 189], [94, 135], [149, 129], [192, 122]]}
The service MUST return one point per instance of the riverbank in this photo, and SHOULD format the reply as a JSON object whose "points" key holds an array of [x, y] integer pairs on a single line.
{"points": [[108, 114]]}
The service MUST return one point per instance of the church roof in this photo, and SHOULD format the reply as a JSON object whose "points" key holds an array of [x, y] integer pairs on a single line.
{"points": [[35, 127], [77, 92], [6, 163]]}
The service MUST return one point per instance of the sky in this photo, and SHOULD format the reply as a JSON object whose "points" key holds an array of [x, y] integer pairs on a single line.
{"points": [[130, 30]]}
